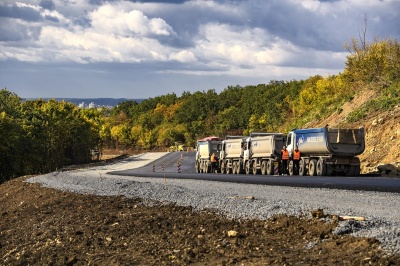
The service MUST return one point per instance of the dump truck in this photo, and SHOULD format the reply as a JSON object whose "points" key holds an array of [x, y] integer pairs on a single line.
{"points": [[262, 152], [204, 149], [327, 151], [231, 155]]}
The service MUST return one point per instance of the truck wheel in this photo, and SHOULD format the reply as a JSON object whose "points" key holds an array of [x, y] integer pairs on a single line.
{"points": [[291, 167], [197, 166], [321, 168], [238, 168], [270, 167], [228, 169], [358, 171], [302, 168], [205, 168], [223, 165], [234, 168], [248, 168], [255, 170], [312, 167], [263, 167], [351, 170], [329, 170]]}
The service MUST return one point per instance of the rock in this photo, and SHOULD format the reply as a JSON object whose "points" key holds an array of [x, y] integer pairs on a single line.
{"points": [[389, 169], [232, 233], [317, 213]]}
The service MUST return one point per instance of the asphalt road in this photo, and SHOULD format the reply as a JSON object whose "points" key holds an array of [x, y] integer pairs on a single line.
{"points": [[180, 165]]}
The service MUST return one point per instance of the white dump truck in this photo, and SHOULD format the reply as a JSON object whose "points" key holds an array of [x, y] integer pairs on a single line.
{"points": [[262, 152], [231, 155], [327, 151], [205, 148]]}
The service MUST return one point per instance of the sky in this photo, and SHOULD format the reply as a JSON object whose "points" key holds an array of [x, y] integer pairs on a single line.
{"points": [[144, 49]]}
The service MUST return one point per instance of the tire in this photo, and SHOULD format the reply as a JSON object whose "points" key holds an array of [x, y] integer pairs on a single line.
{"points": [[351, 171], [329, 170], [197, 167], [302, 168], [206, 168], [237, 168], [358, 171], [234, 168], [264, 167], [228, 169], [240, 168], [321, 168], [291, 167], [270, 167], [223, 165], [248, 168], [312, 167], [255, 170]]}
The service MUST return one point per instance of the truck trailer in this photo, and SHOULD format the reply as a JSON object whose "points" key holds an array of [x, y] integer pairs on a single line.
{"points": [[262, 151], [231, 155], [205, 148], [327, 151]]}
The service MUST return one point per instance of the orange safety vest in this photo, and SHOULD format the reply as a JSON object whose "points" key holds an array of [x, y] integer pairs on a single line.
{"points": [[285, 155], [213, 160], [296, 155]]}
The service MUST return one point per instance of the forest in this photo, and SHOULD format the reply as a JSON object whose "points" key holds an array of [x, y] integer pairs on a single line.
{"points": [[39, 136]]}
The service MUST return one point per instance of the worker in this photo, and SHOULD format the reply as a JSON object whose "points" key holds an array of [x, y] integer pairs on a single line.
{"points": [[284, 160], [213, 160], [296, 160]]}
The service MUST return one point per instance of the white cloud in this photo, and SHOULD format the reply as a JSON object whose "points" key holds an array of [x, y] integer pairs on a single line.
{"points": [[184, 56], [110, 19]]}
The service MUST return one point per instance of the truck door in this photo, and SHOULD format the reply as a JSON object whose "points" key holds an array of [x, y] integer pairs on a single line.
{"points": [[290, 143], [222, 151], [246, 150]]}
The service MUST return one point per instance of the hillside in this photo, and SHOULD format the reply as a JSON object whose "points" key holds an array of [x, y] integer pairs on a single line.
{"points": [[382, 134]]}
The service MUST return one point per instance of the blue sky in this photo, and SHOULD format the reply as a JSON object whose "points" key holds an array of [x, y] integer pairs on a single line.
{"points": [[141, 49]]}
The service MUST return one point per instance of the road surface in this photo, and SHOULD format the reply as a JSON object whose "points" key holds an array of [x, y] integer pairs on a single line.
{"points": [[180, 165]]}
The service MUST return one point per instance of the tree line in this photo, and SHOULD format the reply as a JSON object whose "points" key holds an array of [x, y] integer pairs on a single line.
{"points": [[39, 136]]}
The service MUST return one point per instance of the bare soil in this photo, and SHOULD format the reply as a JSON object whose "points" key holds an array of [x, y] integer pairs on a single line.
{"points": [[43, 226]]}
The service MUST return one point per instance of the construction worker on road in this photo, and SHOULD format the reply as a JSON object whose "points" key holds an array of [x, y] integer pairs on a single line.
{"points": [[284, 160], [296, 160], [213, 160]]}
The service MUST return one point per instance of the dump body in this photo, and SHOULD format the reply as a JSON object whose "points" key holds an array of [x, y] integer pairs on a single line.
{"points": [[231, 155], [266, 146], [329, 141], [232, 148], [205, 148]]}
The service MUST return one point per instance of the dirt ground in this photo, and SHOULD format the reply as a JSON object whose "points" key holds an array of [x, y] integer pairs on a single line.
{"points": [[43, 226]]}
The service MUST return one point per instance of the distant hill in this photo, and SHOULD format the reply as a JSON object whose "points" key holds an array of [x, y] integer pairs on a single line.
{"points": [[107, 102]]}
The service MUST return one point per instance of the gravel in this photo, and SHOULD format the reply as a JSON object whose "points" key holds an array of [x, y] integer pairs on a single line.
{"points": [[381, 210]]}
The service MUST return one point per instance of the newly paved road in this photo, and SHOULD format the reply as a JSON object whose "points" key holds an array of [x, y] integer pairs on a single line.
{"points": [[180, 165]]}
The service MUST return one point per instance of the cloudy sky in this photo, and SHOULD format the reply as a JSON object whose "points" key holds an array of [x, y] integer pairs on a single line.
{"points": [[141, 49]]}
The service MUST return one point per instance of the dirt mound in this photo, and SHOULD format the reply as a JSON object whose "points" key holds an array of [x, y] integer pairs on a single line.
{"points": [[382, 133], [42, 226]]}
